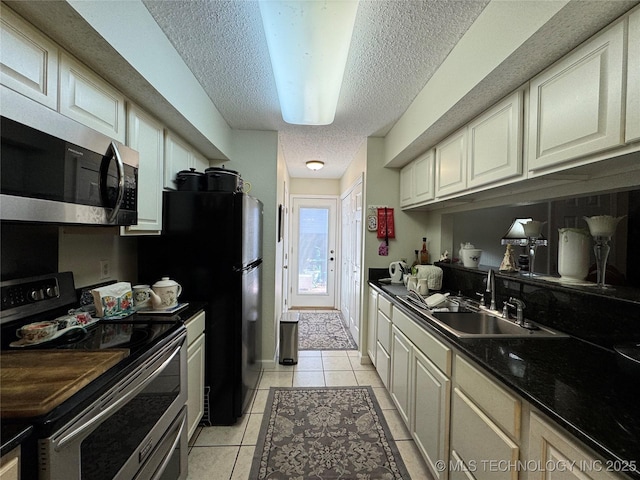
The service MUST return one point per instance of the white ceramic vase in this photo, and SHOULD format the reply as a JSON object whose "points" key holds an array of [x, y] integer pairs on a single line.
{"points": [[573, 253]]}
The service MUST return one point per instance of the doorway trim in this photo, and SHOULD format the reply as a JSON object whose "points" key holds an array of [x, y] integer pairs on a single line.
{"points": [[312, 301]]}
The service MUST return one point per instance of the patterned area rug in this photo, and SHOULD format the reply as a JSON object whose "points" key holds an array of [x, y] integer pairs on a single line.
{"points": [[325, 433], [323, 331]]}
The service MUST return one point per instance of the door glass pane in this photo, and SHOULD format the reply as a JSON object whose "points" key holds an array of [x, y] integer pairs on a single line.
{"points": [[312, 251]]}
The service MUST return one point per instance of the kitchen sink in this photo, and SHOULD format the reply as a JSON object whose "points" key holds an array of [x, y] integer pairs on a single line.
{"points": [[480, 324], [470, 323]]}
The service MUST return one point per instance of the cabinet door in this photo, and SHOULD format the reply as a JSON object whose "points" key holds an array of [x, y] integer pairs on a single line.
{"points": [[451, 164], [29, 60], [372, 320], [407, 196], [477, 439], [199, 162], [423, 182], [430, 400], [146, 136], [383, 362], [575, 106], [495, 143], [549, 447], [177, 157], [383, 331], [399, 382], [88, 99], [195, 384], [632, 132]]}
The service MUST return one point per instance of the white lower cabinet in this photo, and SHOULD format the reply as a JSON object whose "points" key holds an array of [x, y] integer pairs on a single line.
{"points": [[401, 351], [430, 411], [477, 440], [10, 465], [372, 319], [383, 363], [195, 371], [557, 455]]}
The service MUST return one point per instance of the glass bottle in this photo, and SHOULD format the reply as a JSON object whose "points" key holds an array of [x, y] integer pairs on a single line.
{"points": [[415, 262], [424, 253]]}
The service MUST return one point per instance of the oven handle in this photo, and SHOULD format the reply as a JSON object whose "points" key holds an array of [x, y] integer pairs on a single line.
{"points": [[114, 406], [167, 458], [120, 165]]}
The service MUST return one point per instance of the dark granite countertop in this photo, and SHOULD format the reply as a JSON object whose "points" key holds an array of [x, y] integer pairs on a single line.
{"points": [[578, 385]]}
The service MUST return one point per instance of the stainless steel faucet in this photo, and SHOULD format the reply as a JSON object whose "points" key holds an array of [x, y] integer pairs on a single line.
{"points": [[519, 306], [491, 288]]}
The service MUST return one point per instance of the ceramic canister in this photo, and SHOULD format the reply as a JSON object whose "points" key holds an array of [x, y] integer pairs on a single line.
{"points": [[573, 253]]}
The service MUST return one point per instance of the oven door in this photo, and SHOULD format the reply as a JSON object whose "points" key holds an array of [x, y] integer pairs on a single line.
{"points": [[134, 430]]}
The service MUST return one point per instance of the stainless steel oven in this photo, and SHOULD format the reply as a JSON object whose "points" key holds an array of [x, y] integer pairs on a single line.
{"points": [[135, 430], [130, 421]]}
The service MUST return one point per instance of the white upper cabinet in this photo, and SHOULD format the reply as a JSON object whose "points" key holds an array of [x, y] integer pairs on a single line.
{"points": [[406, 185], [28, 60], [632, 133], [417, 181], [88, 99], [146, 135], [495, 143], [423, 177], [451, 164], [576, 104], [199, 162], [178, 156]]}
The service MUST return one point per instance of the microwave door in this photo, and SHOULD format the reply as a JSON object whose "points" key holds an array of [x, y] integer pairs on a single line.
{"points": [[112, 181]]}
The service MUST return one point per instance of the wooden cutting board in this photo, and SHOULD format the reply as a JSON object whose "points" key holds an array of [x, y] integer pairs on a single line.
{"points": [[34, 383]]}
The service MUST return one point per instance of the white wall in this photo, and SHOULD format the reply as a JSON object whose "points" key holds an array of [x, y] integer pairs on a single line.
{"points": [[81, 249], [314, 186], [383, 188]]}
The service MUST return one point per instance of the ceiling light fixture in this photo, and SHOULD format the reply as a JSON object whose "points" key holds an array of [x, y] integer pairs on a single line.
{"points": [[315, 164], [308, 44]]}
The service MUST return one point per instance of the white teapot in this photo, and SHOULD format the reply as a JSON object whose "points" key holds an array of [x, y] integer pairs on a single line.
{"points": [[168, 292]]}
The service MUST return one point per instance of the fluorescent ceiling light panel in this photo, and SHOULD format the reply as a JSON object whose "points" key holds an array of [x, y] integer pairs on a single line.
{"points": [[308, 42]]}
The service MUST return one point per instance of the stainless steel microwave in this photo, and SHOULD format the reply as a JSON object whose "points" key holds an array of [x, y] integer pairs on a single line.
{"points": [[81, 177]]}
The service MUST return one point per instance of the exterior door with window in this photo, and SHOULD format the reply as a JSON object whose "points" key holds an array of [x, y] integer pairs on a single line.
{"points": [[312, 259]]}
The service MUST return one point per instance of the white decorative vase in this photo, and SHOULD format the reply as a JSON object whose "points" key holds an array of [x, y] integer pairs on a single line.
{"points": [[573, 253]]}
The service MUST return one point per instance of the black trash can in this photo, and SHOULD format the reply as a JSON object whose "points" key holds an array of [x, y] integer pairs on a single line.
{"points": [[288, 354]]}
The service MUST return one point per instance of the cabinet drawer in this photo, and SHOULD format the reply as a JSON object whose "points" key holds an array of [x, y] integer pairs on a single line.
{"points": [[500, 405], [475, 438], [195, 327], [382, 364], [384, 331], [435, 350], [384, 305]]}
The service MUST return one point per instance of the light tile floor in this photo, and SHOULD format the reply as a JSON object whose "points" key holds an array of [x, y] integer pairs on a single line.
{"points": [[226, 453]]}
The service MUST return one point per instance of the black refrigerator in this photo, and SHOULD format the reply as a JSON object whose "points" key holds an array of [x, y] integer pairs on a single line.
{"points": [[211, 244]]}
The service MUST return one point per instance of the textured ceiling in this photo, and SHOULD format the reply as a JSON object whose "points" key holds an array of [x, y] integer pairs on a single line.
{"points": [[396, 47]]}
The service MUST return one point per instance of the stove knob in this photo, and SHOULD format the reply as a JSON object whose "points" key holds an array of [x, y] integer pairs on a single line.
{"points": [[51, 292], [36, 295]]}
